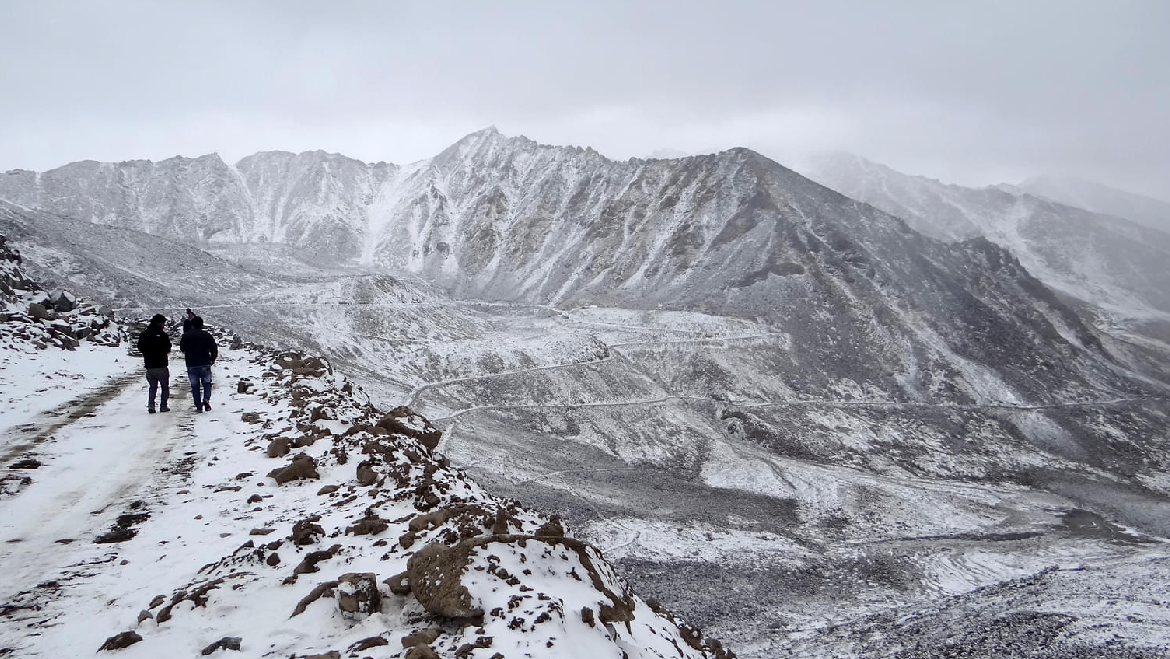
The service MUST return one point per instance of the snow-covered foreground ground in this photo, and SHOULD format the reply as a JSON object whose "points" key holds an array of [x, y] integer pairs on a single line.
{"points": [[179, 530]]}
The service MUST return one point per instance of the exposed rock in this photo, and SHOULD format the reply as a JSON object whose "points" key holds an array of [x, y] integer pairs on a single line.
{"points": [[399, 584], [244, 386], [328, 489], [367, 643], [403, 421], [63, 301], [322, 589], [305, 532], [357, 592], [421, 652], [466, 649], [552, 528], [371, 524], [145, 615], [38, 311], [302, 467], [435, 573], [308, 564], [366, 475], [279, 447], [123, 640], [421, 637], [225, 643]]}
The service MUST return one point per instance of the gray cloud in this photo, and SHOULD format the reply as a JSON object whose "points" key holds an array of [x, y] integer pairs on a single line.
{"points": [[971, 93]]}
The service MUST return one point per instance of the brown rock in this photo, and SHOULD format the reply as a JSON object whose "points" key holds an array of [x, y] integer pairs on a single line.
{"points": [[302, 467], [314, 595], [308, 564], [421, 652], [399, 584], [273, 559], [279, 447], [123, 640], [367, 643], [145, 615], [305, 531], [421, 637], [429, 436], [366, 475], [357, 592], [369, 525], [435, 579], [552, 528], [328, 489]]}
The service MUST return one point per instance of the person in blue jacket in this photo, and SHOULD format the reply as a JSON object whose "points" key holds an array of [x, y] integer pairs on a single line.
{"points": [[200, 352]]}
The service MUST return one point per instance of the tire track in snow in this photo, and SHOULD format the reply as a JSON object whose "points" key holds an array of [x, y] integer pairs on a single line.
{"points": [[29, 434]]}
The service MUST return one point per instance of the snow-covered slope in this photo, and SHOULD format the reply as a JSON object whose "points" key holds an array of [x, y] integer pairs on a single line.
{"points": [[1106, 261], [1099, 198]]}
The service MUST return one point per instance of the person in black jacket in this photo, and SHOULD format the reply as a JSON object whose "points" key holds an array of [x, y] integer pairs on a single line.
{"points": [[200, 351], [154, 344]]}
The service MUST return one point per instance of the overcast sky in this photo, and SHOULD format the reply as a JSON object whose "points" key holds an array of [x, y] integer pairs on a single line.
{"points": [[969, 92]]}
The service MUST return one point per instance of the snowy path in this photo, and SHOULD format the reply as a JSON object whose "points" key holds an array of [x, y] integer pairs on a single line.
{"points": [[96, 462]]}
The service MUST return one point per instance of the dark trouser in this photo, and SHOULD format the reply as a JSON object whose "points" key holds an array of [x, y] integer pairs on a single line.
{"points": [[200, 377], [156, 377]]}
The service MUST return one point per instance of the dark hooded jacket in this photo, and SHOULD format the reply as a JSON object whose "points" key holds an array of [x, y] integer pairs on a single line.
{"points": [[198, 347], [154, 344]]}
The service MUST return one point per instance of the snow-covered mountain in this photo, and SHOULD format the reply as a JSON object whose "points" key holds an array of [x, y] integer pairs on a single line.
{"points": [[1100, 198], [1107, 261], [776, 407]]}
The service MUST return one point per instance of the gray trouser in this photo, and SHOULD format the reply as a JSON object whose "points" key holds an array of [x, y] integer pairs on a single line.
{"points": [[156, 377]]}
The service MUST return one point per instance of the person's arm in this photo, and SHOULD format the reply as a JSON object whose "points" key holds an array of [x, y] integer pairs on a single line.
{"points": [[185, 342], [214, 348]]}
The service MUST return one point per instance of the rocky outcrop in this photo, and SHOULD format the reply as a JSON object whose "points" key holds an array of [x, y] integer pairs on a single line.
{"points": [[30, 316]]}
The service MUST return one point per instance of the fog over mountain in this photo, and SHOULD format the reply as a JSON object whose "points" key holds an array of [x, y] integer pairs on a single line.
{"points": [[805, 423], [1109, 262], [1101, 199]]}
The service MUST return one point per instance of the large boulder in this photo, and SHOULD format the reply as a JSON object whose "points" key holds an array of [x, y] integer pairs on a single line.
{"points": [[63, 301]]}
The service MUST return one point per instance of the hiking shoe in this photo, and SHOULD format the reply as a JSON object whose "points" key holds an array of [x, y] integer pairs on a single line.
{"points": [[198, 408], [151, 410], [207, 407], [164, 408]]}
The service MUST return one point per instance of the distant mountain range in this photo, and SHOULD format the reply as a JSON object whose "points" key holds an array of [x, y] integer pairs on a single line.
{"points": [[734, 233], [1111, 262], [1098, 198]]}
